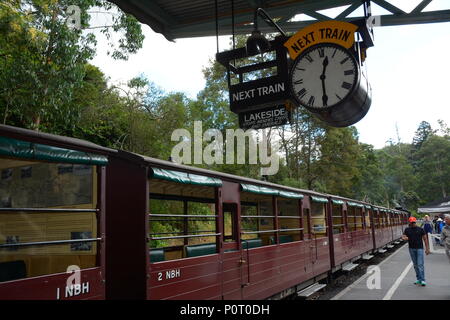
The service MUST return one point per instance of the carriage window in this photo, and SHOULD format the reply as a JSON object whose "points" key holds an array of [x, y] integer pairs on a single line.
{"points": [[338, 220], [46, 210], [230, 222], [181, 228], [257, 220], [359, 218], [367, 217], [351, 218], [289, 221], [378, 219], [319, 226]]}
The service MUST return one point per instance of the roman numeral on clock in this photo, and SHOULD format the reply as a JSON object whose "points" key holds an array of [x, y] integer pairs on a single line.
{"points": [[321, 52], [302, 93], [345, 60], [311, 101], [307, 57], [346, 85], [349, 72], [300, 81]]}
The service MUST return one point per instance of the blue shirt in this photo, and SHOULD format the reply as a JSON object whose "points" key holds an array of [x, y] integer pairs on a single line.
{"points": [[427, 227]]}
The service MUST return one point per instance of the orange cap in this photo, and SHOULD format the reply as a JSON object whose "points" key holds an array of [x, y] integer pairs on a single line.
{"points": [[412, 219]]}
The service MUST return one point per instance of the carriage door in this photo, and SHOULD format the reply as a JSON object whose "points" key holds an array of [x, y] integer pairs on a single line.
{"points": [[321, 251], [233, 263]]}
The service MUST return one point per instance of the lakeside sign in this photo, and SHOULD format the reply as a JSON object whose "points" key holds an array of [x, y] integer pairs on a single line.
{"points": [[264, 118]]}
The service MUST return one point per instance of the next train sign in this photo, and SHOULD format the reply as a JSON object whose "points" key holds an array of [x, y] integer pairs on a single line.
{"points": [[258, 94], [255, 84]]}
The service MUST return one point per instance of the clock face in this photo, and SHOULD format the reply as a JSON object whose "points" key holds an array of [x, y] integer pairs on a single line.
{"points": [[323, 76]]}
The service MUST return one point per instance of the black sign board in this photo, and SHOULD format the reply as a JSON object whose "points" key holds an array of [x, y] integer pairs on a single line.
{"points": [[260, 93], [264, 118]]}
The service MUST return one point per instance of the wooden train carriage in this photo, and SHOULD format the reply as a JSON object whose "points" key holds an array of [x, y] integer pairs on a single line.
{"points": [[397, 229], [51, 216], [199, 234], [383, 228], [352, 230]]}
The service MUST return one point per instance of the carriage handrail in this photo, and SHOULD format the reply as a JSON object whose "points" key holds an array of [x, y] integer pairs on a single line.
{"points": [[293, 229], [47, 210], [186, 236], [178, 232], [184, 215], [43, 243], [257, 216]]}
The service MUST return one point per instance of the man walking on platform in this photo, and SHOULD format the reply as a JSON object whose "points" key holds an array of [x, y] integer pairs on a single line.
{"points": [[445, 235], [416, 236]]}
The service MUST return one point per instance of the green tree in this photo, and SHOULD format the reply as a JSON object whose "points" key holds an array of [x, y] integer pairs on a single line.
{"points": [[46, 58], [338, 163], [434, 171]]}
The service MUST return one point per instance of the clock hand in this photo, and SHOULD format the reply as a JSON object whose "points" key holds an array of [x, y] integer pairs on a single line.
{"points": [[325, 64], [322, 78]]}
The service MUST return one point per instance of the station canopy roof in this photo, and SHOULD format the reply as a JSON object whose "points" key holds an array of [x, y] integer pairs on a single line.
{"points": [[197, 18], [438, 206]]}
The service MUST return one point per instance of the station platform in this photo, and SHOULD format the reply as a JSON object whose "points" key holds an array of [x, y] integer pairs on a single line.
{"points": [[397, 276]]}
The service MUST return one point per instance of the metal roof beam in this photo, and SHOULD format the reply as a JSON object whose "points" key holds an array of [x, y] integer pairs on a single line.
{"points": [[316, 15], [385, 20], [349, 10], [225, 23], [389, 7], [155, 11], [421, 6]]}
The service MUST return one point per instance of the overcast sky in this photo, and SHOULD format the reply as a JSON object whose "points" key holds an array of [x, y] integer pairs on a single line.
{"points": [[408, 70]]}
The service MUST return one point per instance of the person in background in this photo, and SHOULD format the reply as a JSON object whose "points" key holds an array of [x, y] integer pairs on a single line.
{"points": [[440, 225], [436, 228], [427, 225], [445, 235], [416, 236]]}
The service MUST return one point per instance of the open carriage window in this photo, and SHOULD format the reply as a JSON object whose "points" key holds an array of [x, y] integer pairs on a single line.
{"points": [[257, 220], [289, 220], [338, 216], [318, 216], [183, 216], [46, 211], [359, 218], [367, 215]]}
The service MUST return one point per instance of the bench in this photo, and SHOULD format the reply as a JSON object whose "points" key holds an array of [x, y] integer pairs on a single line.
{"points": [[156, 255], [198, 250], [12, 270], [251, 243], [283, 239]]}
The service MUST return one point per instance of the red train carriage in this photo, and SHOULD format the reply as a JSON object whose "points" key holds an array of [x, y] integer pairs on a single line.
{"points": [[172, 231], [198, 234], [383, 229], [352, 231], [397, 229], [51, 216]]}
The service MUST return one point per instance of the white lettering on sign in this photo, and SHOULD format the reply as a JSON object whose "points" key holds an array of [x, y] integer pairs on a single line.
{"points": [[73, 290], [260, 91], [265, 115], [170, 274]]}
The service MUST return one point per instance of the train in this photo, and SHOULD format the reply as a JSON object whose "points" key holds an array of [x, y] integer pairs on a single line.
{"points": [[82, 221]]}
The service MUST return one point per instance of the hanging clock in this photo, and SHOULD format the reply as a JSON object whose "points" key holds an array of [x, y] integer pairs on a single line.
{"points": [[327, 80]]}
